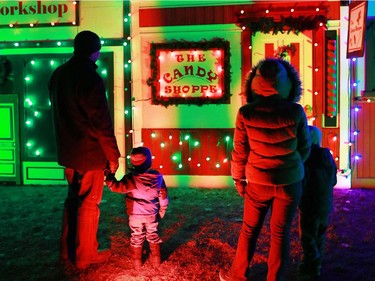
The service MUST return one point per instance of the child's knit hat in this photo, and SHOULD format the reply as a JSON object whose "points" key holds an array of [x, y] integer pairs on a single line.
{"points": [[141, 159], [315, 134]]}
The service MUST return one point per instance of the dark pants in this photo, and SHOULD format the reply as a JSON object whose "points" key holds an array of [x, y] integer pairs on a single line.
{"points": [[283, 201], [81, 215], [313, 236]]}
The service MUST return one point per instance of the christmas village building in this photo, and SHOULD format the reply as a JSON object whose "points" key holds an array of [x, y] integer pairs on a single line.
{"points": [[174, 74]]}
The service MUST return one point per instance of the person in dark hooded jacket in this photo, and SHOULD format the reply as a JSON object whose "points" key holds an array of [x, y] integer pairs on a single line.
{"points": [[146, 203], [316, 204], [86, 145], [271, 142]]}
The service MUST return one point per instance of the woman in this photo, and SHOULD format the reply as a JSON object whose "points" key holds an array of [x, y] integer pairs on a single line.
{"points": [[271, 142]]}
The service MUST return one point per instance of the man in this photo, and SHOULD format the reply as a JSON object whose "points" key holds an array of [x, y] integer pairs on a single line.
{"points": [[85, 144]]}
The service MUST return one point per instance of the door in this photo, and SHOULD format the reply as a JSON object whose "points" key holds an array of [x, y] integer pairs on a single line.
{"points": [[9, 139]]}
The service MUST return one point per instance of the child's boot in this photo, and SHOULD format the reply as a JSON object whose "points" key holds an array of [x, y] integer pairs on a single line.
{"points": [[155, 254], [137, 257]]}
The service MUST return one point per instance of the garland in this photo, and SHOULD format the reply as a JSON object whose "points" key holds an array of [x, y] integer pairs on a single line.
{"points": [[182, 44], [288, 24]]}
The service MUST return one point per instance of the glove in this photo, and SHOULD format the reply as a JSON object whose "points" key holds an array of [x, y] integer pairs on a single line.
{"points": [[113, 166], [240, 186]]}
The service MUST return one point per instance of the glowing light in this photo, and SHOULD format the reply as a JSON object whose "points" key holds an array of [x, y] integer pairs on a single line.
{"points": [[242, 11], [196, 143], [208, 158], [27, 78], [180, 166], [180, 142], [316, 44], [187, 137], [16, 44], [244, 27], [357, 157], [37, 153], [199, 164], [52, 23], [52, 62], [59, 43], [292, 10], [29, 102], [170, 137], [317, 9], [189, 159], [217, 165], [162, 144], [267, 11], [225, 160], [227, 138], [161, 166], [153, 135], [126, 112]]}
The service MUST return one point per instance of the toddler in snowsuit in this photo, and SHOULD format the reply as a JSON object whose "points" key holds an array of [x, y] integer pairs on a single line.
{"points": [[316, 204], [146, 203]]}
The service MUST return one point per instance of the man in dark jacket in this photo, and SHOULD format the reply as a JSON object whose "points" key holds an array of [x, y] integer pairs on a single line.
{"points": [[316, 204], [86, 146], [271, 142]]}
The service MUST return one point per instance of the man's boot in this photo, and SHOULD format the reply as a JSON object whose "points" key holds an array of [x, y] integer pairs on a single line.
{"points": [[137, 257], [155, 254]]}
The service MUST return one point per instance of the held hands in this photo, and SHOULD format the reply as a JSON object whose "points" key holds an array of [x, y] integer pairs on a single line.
{"points": [[113, 166], [240, 186]]}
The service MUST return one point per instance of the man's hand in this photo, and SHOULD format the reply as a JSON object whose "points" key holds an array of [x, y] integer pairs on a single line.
{"points": [[240, 186], [113, 166]]}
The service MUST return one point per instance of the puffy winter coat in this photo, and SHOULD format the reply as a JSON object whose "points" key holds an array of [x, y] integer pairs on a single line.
{"points": [[146, 193], [84, 131], [320, 178], [271, 142]]}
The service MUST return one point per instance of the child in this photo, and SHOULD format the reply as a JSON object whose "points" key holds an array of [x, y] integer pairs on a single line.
{"points": [[146, 203], [316, 204]]}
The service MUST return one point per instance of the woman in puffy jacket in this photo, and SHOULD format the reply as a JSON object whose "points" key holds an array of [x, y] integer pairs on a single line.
{"points": [[271, 143]]}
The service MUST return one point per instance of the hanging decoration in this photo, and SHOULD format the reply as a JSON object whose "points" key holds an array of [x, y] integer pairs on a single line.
{"points": [[285, 50]]}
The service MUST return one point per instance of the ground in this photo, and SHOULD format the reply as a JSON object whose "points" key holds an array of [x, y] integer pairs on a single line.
{"points": [[200, 232]]}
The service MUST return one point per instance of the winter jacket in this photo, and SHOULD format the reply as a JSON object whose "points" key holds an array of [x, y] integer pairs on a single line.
{"points": [[271, 142], [320, 178], [146, 193], [83, 125]]}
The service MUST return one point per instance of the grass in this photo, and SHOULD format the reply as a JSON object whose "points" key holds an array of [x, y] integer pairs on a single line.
{"points": [[199, 231]]}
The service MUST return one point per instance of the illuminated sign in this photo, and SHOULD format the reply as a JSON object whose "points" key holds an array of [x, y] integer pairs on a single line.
{"points": [[38, 13], [185, 74]]}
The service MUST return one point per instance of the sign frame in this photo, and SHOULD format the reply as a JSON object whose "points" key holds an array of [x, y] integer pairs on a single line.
{"points": [[194, 52]]}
